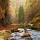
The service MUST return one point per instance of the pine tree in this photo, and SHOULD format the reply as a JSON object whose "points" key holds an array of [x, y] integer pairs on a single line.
{"points": [[21, 14]]}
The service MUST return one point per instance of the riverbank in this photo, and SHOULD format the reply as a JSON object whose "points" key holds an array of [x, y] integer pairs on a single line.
{"points": [[35, 28]]}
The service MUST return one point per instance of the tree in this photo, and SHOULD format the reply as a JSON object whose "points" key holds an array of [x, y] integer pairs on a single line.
{"points": [[34, 8], [5, 19], [21, 14]]}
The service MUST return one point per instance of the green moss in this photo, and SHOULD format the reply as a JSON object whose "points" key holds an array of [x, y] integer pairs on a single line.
{"points": [[1, 34], [36, 27]]}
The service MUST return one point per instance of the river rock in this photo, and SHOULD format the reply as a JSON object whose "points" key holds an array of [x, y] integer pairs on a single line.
{"points": [[26, 35]]}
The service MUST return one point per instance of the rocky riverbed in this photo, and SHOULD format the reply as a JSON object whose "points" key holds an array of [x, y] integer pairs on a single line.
{"points": [[34, 35]]}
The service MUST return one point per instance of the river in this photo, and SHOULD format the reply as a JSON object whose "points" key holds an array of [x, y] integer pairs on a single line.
{"points": [[35, 35]]}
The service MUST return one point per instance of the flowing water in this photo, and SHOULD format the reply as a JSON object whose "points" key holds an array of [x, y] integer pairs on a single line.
{"points": [[35, 35]]}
